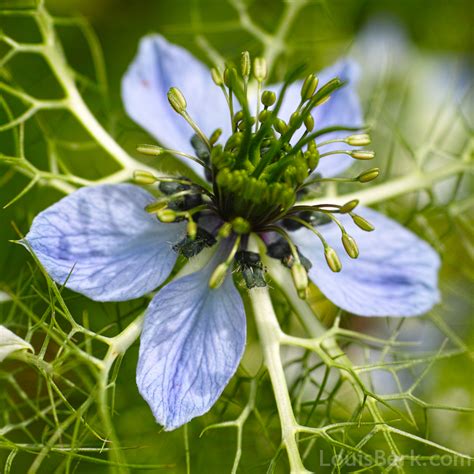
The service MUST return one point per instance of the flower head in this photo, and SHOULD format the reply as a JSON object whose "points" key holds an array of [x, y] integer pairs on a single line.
{"points": [[259, 150]]}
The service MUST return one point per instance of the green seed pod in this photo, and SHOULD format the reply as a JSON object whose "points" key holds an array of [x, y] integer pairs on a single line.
{"points": [[362, 154], [362, 223], [349, 206], [309, 87], [368, 175], [350, 245], [268, 98], [332, 259], [177, 100]]}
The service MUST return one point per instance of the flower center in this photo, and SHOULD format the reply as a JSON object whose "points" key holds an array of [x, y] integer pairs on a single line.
{"points": [[256, 177]]}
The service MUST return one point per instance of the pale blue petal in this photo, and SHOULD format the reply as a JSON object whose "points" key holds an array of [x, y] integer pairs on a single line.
{"points": [[396, 273], [158, 66], [191, 345], [342, 109], [103, 244]]}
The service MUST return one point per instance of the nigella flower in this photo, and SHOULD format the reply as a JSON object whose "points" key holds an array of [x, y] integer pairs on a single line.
{"points": [[118, 242]]}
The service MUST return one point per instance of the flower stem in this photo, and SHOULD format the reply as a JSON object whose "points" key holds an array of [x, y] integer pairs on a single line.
{"points": [[270, 334]]}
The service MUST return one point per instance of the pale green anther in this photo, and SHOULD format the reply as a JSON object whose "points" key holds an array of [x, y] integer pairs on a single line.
{"points": [[150, 150], [245, 64], [166, 215], [362, 223], [177, 100], [268, 98], [309, 122], [260, 69], [225, 230], [144, 177], [361, 139], [218, 275], [362, 154], [217, 77], [349, 206], [215, 136], [238, 116], [312, 158], [156, 206], [241, 225], [300, 278], [192, 229], [309, 87], [293, 118], [350, 245], [280, 126], [227, 75], [332, 259], [368, 175]]}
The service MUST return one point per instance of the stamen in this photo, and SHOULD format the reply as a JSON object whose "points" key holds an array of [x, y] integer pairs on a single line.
{"points": [[178, 102], [362, 223], [153, 150], [219, 274], [357, 154]]}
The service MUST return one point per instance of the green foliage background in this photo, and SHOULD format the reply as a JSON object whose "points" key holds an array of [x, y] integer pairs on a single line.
{"points": [[324, 31]]}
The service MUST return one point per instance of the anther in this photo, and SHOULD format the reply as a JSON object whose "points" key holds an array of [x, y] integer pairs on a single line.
{"points": [[350, 245], [166, 215], [217, 77], [260, 69], [144, 177], [309, 87], [332, 259], [368, 175], [245, 65], [362, 154], [349, 206], [300, 278], [362, 223], [177, 100], [358, 140], [268, 98]]}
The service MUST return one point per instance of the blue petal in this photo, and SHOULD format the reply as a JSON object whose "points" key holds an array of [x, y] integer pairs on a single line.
{"points": [[192, 342], [396, 273], [103, 244], [158, 66], [343, 108]]}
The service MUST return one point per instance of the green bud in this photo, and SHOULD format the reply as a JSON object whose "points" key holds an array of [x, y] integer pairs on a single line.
{"points": [[350, 245], [362, 154], [349, 206], [150, 150], [260, 69], [215, 136], [218, 276], [192, 229], [280, 126], [300, 279], [358, 140], [309, 122], [368, 175], [332, 259], [309, 87], [362, 223], [268, 98], [245, 64], [143, 177], [177, 100], [225, 230], [217, 77], [166, 215], [241, 225], [238, 116]]}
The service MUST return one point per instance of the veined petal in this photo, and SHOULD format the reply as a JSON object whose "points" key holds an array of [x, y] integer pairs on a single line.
{"points": [[192, 342], [101, 242], [396, 273], [343, 108], [158, 66]]}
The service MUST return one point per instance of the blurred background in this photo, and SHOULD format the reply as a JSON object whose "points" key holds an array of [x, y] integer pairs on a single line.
{"points": [[416, 86]]}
